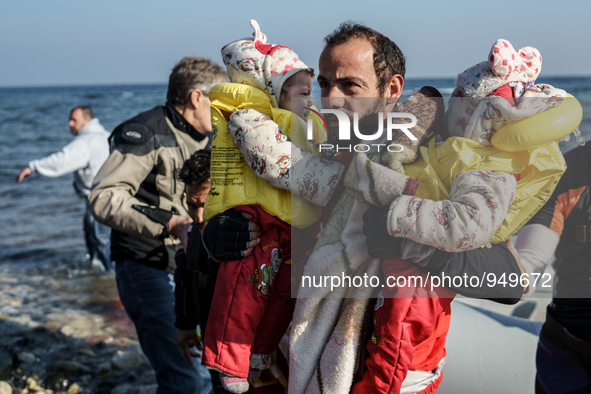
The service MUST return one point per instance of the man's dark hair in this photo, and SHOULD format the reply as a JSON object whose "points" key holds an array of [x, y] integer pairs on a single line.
{"points": [[86, 111], [192, 73], [195, 170], [388, 59]]}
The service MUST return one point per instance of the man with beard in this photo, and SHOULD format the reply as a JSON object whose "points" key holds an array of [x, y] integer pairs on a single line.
{"points": [[359, 62]]}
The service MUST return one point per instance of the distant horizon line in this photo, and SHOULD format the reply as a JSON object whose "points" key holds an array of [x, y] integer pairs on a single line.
{"points": [[165, 82]]}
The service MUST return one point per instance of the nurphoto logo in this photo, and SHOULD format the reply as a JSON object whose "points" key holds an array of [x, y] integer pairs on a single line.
{"points": [[345, 129]]}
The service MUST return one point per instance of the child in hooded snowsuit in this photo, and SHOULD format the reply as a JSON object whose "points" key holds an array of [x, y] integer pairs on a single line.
{"points": [[488, 96], [255, 169]]}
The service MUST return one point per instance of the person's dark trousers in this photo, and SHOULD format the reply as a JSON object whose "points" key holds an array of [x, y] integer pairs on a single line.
{"points": [[148, 297], [98, 241], [563, 362]]}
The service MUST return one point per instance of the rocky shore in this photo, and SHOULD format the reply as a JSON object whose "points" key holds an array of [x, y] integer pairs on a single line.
{"points": [[63, 330]]}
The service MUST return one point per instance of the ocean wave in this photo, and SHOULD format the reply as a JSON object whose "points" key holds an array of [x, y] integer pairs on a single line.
{"points": [[443, 91]]}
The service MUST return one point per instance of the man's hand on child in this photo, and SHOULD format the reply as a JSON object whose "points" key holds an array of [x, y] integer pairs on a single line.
{"points": [[179, 227], [231, 236], [186, 339], [380, 243]]}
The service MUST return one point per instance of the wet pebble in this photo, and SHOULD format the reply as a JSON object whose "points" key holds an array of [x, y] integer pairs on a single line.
{"points": [[26, 357], [151, 389], [74, 389], [129, 358], [87, 353], [8, 310], [71, 366], [104, 368], [125, 389], [56, 381], [5, 388], [5, 365], [32, 384]]}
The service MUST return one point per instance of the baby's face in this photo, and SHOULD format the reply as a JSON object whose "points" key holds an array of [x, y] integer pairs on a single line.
{"points": [[298, 94]]}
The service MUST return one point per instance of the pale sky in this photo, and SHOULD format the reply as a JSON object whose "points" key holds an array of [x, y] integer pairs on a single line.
{"points": [[66, 42]]}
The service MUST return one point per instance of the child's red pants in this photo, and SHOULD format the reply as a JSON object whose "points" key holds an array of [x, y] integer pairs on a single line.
{"points": [[252, 307], [410, 329]]}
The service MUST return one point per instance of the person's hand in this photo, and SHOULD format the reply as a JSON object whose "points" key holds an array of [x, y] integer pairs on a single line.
{"points": [[186, 339], [25, 172], [255, 234], [515, 254], [380, 244], [179, 227], [231, 236]]}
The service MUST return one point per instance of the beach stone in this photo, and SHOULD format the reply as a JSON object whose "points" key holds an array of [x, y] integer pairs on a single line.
{"points": [[25, 320], [5, 365], [130, 357], [67, 330], [56, 381], [85, 379], [26, 357], [31, 383], [71, 366], [74, 389], [8, 310], [57, 316], [87, 353], [5, 388], [151, 389], [124, 389], [104, 368], [82, 326]]}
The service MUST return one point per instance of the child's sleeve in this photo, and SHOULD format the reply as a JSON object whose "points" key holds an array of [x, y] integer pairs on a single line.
{"points": [[286, 166], [478, 204]]}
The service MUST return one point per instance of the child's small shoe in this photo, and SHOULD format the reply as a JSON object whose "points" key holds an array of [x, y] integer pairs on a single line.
{"points": [[233, 384]]}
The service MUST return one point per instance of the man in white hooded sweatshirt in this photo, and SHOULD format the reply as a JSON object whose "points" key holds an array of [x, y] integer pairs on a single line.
{"points": [[84, 156]]}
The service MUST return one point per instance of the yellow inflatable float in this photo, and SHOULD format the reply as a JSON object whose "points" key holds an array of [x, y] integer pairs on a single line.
{"points": [[528, 148], [540, 130]]}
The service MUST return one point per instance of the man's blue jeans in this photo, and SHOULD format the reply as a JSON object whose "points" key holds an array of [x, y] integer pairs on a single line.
{"points": [[148, 297], [98, 240]]}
